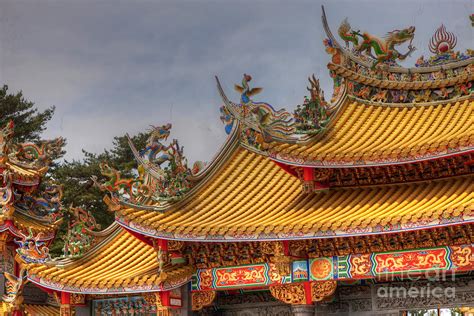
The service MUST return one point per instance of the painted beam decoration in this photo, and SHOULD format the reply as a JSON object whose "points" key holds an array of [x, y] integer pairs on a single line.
{"points": [[351, 267], [245, 276], [400, 263]]}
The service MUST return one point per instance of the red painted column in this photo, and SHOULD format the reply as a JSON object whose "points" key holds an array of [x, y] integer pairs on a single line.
{"points": [[165, 298], [65, 298], [308, 179], [17, 313], [308, 174], [163, 303], [65, 309], [307, 292]]}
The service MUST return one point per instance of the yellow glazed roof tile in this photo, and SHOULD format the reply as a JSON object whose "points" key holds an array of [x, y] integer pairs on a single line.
{"points": [[121, 263], [250, 197], [377, 134]]}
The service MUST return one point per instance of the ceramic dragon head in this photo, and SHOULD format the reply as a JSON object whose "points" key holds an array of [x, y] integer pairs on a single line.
{"points": [[160, 132], [401, 36]]}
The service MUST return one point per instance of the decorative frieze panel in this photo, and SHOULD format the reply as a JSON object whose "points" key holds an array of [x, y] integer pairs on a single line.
{"points": [[213, 255], [247, 276], [378, 265]]}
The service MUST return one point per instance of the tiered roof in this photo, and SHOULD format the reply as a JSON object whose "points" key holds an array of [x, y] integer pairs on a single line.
{"points": [[377, 134], [283, 176], [252, 198], [119, 264]]}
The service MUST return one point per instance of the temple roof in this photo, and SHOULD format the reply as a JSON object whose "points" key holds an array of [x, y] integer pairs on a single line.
{"points": [[249, 197], [121, 263], [377, 134]]}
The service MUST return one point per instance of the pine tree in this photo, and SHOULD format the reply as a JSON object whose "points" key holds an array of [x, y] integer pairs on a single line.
{"points": [[29, 121]]}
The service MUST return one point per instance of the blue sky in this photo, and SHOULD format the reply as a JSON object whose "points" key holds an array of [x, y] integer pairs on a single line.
{"points": [[112, 67]]}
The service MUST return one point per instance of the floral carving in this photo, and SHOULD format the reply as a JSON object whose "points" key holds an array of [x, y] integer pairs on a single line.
{"points": [[322, 289], [293, 293], [202, 299]]}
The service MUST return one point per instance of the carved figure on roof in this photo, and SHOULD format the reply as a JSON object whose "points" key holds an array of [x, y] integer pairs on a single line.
{"points": [[333, 50], [383, 48], [347, 34], [6, 134], [163, 173], [313, 116], [14, 290], [37, 155], [44, 203], [79, 236], [154, 147], [245, 90], [260, 117], [115, 183], [261, 113], [227, 119], [6, 190], [31, 249]]}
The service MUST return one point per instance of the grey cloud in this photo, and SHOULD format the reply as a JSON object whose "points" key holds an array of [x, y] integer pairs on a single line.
{"points": [[112, 67]]}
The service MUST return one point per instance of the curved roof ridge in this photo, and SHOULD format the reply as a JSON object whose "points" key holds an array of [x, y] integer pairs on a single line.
{"points": [[451, 65]]}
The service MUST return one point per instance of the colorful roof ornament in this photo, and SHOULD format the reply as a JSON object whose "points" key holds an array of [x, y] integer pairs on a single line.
{"points": [[314, 115], [22, 167], [260, 123], [32, 249], [14, 289], [80, 235], [442, 45], [442, 41], [381, 50], [163, 173]]}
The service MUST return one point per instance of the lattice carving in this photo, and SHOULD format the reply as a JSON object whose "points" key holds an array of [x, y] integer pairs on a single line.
{"points": [[322, 290], [289, 293], [202, 299], [78, 299]]}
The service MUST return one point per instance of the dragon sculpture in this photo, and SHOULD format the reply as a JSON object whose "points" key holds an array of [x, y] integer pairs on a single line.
{"points": [[115, 183], [44, 203], [37, 155], [80, 236], [32, 249], [383, 48], [163, 172]]}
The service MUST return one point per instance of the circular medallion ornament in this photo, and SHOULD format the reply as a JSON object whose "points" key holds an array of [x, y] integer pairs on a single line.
{"points": [[321, 269]]}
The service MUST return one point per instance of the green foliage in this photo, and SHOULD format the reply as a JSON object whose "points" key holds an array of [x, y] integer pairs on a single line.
{"points": [[75, 176], [29, 122]]}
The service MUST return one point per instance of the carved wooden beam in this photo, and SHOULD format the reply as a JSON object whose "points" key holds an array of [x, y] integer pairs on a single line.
{"points": [[292, 293], [202, 299], [322, 290]]}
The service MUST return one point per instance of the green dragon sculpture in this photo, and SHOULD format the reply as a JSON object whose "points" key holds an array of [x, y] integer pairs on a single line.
{"points": [[384, 48]]}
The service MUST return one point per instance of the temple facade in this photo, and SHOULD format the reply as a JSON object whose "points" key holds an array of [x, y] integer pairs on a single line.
{"points": [[356, 204]]}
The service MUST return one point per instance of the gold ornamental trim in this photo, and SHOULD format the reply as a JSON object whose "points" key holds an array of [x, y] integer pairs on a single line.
{"points": [[293, 294], [322, 290], [202, 299]]}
